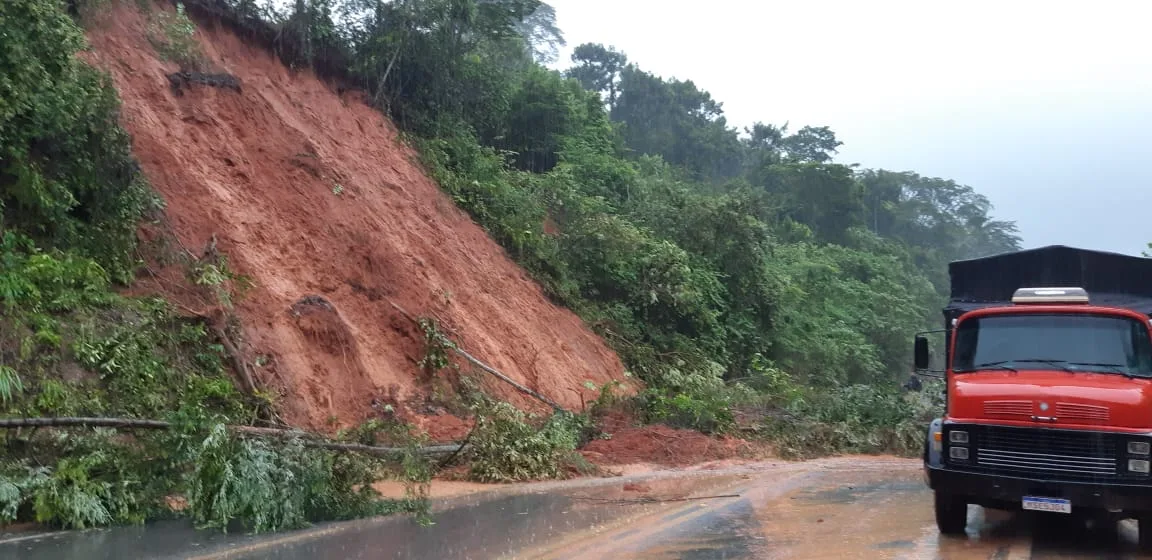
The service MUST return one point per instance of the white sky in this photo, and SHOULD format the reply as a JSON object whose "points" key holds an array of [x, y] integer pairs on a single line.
{"points": [[1046, 108]]}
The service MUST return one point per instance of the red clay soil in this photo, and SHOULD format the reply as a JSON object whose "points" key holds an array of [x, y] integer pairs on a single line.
{"points": [[312, 197], [659, 444]]}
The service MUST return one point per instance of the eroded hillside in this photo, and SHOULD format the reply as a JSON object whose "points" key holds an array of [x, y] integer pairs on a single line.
{"points": [[311, 195]]}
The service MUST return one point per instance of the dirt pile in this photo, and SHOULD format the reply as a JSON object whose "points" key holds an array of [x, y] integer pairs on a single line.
{"points": [[312, 197], [661, 445]]}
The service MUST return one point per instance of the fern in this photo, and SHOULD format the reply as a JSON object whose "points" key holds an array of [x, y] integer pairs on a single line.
{"points": [[10, 384]]}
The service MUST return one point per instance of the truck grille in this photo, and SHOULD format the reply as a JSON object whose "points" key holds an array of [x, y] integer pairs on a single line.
{"points": [[1008, 408], [1046, 453], [1089, 413], [1046, 463]]}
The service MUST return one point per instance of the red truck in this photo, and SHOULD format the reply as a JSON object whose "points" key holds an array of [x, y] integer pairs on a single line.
{"points": [[1048, 369]]}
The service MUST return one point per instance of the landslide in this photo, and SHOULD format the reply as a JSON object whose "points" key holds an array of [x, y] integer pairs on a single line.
{"points": [[311, 196]]}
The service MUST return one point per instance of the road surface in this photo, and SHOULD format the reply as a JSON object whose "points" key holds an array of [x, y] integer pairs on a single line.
{"points": [[848, 507]]}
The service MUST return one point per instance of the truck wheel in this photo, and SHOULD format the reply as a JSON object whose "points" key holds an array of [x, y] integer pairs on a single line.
{"points": [[951, 514], [1144, 529]]}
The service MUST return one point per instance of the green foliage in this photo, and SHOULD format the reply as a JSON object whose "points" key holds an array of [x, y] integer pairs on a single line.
{"points": [[34, 284], [10, 384], [436, 347], [540, 98], [851, 419], [86, 351], [217, 276], [707, 412], [506, 446], [699, 255], [67, 178], [678, 121], [142, 358], [846, 315], [173, 35], [825, 197], [598, 69], [70, 202], [271, 486], [96, 481], [96, 478]]}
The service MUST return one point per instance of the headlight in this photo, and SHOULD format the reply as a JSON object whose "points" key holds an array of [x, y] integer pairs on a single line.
{"points": [[957, 436], [1138, 465], [1139, 447], [962, 454]]}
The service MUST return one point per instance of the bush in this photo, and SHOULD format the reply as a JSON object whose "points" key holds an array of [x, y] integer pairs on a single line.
{"points": [[87, 478], [851, 419], [68, 181], [79, 479], [271, 486], [506, 447], [173, 35]]}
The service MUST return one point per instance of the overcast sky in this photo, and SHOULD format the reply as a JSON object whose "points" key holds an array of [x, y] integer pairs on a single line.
{"points": [[1044, 108]]}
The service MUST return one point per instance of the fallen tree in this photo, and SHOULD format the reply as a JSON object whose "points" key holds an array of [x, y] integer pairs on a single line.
{"points": [[307, 439]]}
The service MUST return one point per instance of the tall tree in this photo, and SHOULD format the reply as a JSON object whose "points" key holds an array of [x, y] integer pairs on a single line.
{"points": [[544, 38], [598, 69], [825, 197], [810, 144], [677, 121]]}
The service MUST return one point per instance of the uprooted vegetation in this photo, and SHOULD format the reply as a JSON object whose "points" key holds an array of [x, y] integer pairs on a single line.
{"points": [[79, 350], [508, 445]]}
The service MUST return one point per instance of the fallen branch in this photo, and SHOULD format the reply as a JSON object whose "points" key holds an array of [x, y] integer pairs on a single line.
{"points": [[448, 460], [307, 439], [487, 368], [238, 362], [508, 380], [64, 421]]}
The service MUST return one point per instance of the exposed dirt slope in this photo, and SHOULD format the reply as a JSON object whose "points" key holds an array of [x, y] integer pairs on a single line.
{"points": [[310, 193]]}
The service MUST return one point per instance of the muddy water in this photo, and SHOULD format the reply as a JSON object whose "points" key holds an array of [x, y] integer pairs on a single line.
{"points": [[837, 508]]}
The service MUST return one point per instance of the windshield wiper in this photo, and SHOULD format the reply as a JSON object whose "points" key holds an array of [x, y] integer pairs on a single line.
{"points": [[1054, 363], [1002, 364], [1116, 368], [1062, 364]]}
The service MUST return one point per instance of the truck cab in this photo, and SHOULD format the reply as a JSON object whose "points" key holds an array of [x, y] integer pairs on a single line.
{"points": [[1048, 380]]}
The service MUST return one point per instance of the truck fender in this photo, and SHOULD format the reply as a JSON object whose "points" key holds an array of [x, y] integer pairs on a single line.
{"points": [[932, 453]]}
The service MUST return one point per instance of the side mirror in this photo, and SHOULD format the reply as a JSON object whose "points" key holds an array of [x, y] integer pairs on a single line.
{"points": [[922, 357]]}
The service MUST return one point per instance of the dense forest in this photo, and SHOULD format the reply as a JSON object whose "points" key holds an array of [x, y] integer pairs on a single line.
{"points": [[731, 269]]}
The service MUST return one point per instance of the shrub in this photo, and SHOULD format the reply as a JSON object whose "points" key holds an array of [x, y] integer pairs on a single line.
{"points": [[173, 35], [506, 447]]}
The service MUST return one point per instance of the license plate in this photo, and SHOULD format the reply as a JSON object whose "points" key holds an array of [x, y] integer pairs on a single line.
{"points": [[1058, 505]]}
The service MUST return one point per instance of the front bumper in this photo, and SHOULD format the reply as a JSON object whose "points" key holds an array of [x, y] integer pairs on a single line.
{"points": [[1005, 492]]}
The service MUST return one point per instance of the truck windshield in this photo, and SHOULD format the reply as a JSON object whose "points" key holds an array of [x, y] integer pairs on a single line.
{"points": [[1095, 343]]}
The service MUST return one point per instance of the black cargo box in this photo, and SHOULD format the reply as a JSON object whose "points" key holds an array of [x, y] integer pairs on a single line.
{"points": [[1111, 279]]}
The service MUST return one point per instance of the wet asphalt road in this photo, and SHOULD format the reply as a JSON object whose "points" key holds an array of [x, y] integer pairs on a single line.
{"points": [[852, 507]]}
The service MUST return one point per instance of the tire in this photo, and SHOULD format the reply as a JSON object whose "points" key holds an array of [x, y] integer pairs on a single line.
{"points": [[951, 514], [1144, 529]]}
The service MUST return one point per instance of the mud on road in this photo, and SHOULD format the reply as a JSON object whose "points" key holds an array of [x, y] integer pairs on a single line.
{"points": [[847, 507]]}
